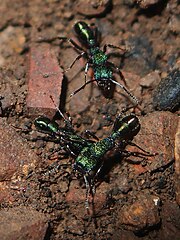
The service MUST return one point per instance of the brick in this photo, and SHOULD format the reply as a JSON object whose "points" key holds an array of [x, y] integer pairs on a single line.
{"points": [[44, 80]]}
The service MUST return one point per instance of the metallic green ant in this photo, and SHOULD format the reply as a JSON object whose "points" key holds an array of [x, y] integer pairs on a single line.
{"points": [[90, 160], [65, 136], [97, 59], [89, 154]]}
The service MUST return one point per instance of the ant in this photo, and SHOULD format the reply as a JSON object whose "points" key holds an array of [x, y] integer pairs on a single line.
{"points": [[97, 59]]}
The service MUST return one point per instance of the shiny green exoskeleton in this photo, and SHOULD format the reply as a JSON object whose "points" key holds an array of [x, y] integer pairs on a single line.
{"points": [[89, 154], [45, 125], [97, 59], [90, 159], [66, 137]]}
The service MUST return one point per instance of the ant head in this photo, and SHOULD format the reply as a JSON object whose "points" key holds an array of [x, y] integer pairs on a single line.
{"points": [[84, 34], [45, 125], [127, 126], [133, 124]]}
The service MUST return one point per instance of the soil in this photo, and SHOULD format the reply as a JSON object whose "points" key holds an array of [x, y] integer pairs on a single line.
{"points": [[135, 197]]}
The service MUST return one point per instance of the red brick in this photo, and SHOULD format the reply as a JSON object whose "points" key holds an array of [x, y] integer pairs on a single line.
{"points": [[44, 80]]}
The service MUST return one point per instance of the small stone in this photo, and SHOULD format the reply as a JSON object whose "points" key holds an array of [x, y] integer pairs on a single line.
{"points": [[147, 3], [140, 215], [92, 8], [150, 80], [167, 94]]}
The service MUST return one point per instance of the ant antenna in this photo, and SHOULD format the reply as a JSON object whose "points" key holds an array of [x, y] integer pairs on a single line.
{"points": [[59, 111]]}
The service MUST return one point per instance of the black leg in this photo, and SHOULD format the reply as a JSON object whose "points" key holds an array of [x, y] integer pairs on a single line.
{"points": [[126, 153], [84, 53], [147, 153], [126, 90], [43, 138], [112, 65], [76, 46], [120, 85], [87, 192], [54, 168], [82, 87], [113, 46], [74, 61], [72, 42], [85, 72], [91, 134]]}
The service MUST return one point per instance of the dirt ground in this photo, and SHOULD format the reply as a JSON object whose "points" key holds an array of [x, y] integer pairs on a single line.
{"points": [[137, 197]]}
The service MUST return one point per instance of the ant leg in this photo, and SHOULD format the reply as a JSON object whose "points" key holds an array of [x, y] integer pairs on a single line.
{"points": [[119, 71], [71, 152], [126, 153], [91, 134], [86, 71], [145, 151], [72, 42], [98, 171], [69, 118], [82, 87], [46, 138], [54, 155], [54, 168], [76, 59], [120, 85], [87, 192], [113, 46], [126, 90], [123, 111], [74, 45]]}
